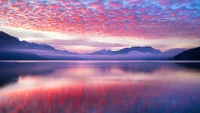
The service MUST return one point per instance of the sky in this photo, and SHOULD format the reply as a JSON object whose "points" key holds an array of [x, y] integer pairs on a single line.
{"points": [[89, 25]]}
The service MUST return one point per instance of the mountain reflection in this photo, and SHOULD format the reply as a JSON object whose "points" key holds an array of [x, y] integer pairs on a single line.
{"points": [[99, 87], [10, 71]]}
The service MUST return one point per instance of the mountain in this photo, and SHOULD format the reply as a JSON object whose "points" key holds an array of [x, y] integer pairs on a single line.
{"points": [[191, 54], [174, 51], [12, 55], [35, 46], [10, 42], [145, 49], [169, 54], [6, 40], [102, 52], [11, 48]]}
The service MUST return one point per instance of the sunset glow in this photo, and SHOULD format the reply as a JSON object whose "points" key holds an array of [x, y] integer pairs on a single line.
{"points": [[84, 25], [99, 56]]}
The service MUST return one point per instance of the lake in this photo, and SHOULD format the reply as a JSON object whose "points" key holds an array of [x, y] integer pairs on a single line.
{"points": [[99, 87]]}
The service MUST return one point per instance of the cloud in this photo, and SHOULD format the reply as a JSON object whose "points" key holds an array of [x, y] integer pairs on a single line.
{"points": [[124, 18]]}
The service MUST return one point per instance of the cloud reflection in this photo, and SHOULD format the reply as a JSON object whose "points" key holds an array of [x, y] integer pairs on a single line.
{"points": [[100, 95], [98, 86]]}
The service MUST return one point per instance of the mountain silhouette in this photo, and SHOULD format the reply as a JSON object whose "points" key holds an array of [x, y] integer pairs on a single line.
{"points": [[9, 42], [11, 48], [102, 52], [191, 54], [6, 40], [145, 49]]}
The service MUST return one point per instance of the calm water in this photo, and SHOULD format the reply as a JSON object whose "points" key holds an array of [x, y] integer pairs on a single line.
{"points": [[99, 87]]}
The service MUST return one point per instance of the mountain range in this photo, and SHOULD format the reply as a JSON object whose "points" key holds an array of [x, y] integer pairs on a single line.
{"points": [[9, 42], [11, 48]]}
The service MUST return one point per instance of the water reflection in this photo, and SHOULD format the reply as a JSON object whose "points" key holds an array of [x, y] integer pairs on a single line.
{"points": [[99, 87]]}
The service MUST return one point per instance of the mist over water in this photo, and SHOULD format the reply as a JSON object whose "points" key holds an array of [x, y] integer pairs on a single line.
{"points": [[99, 87]]}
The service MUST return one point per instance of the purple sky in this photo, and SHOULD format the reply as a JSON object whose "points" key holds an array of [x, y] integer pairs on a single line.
{"points": [[89, 25]]}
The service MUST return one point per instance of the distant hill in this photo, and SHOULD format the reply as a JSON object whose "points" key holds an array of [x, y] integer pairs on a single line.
{"points": [[191, 54], [145, 49], [102, 52]]}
